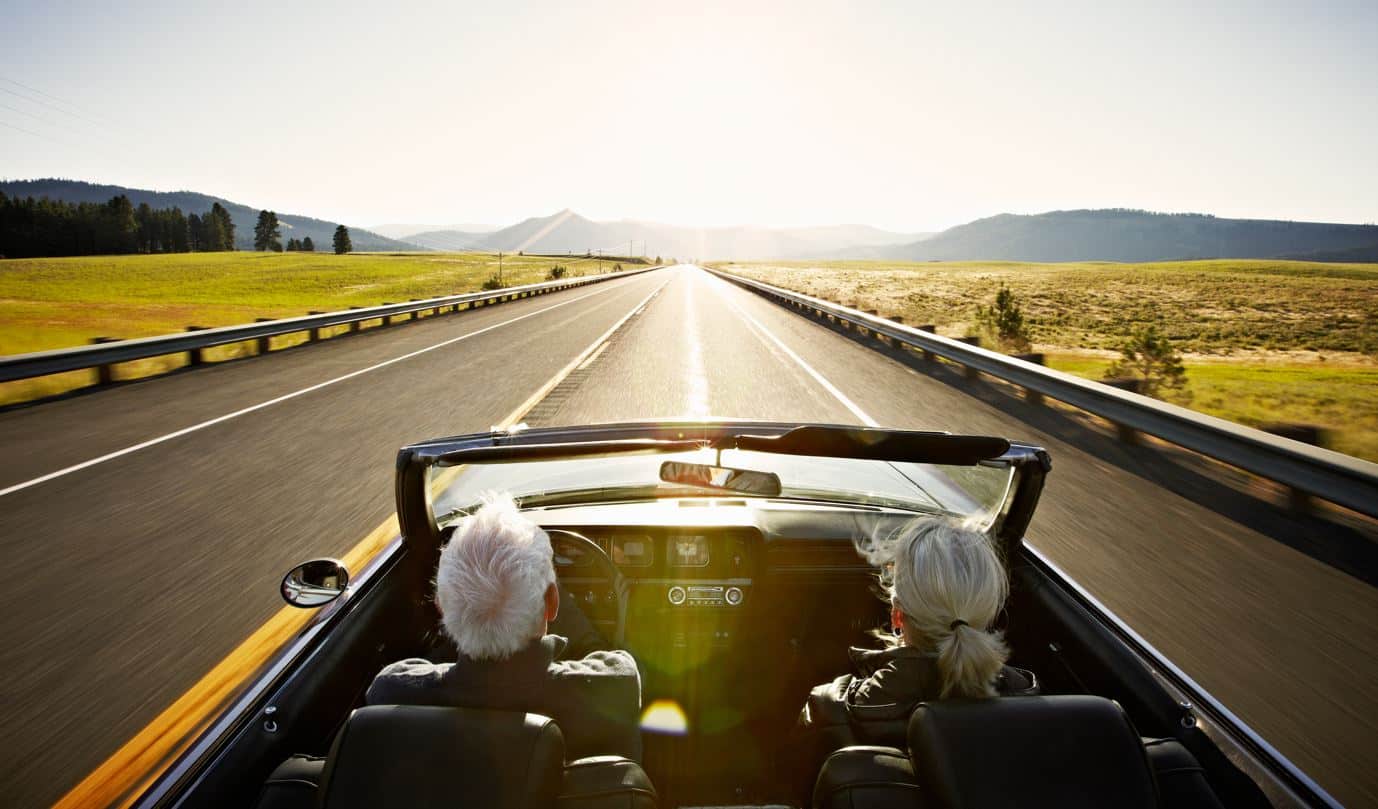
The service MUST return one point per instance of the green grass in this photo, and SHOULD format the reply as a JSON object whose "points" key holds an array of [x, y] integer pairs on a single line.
{"points": [[1265, 341], [61, 302], [1341, 399]]}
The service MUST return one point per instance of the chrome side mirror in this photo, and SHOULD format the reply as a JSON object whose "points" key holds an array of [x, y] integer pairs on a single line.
{"points": [[315, 583]]}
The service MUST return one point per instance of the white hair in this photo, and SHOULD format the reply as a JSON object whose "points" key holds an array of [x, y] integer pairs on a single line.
{"points": [[492, 580], [949, 584]]}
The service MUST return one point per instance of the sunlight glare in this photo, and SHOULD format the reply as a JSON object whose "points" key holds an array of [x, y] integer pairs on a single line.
{"points": [[665, 716]]}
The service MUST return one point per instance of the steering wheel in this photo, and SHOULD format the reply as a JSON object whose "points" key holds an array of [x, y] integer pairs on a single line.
{"points": [[617, 583]]}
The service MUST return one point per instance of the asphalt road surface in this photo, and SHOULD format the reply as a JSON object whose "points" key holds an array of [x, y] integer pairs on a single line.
{"points": [[132, 576]]}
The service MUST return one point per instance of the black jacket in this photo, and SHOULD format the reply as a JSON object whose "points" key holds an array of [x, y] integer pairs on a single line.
{"points": [[595, 699], [873, 706]]}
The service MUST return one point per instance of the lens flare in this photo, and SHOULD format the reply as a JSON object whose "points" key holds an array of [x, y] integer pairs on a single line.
{"points": [[665, 716]]}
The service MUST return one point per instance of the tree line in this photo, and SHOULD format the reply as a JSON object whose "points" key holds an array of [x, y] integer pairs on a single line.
{"points": [[32, 228]]}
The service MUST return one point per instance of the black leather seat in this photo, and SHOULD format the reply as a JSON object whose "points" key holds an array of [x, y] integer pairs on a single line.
{"points": [[866, 776], [1181, 779], [424, 756], [1064, 751], [418, 756], [606, 782]]}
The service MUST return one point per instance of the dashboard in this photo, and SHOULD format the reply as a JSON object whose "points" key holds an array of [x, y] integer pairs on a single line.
{"points": [[666, 567]]}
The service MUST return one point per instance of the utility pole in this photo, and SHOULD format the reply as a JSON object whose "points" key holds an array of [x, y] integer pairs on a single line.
{"points": [[499, 268], [600, 261]]}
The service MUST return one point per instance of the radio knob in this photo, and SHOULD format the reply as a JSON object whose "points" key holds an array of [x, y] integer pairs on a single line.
{"points": [[733, 596], [676, 595]]}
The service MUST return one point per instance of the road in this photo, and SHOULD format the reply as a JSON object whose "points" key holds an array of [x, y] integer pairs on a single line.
{"points": [[134, 575]]}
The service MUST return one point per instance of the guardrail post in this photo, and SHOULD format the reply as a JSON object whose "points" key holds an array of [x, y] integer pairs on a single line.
{"points": [[196, 356], [1126, 433], [931, 329], [387, 319], [105, 374], [412, 314], [968, 371], [315, 334], [1030, 395], [353, 324], [265, 344]]}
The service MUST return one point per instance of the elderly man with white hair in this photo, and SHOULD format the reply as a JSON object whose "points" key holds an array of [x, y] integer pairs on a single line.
{"points": [[497, 596]]}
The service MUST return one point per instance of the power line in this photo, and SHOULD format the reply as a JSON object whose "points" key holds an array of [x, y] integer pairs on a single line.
{"points": [[51, 97]]}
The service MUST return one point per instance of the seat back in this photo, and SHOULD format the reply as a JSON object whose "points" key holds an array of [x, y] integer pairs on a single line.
{"points": [[1064, 751], [426, 756]]}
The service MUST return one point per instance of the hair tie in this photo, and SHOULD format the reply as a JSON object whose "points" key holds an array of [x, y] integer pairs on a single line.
{"points": [[959, 622]]}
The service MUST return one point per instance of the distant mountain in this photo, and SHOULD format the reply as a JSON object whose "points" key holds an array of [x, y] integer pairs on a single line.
{"points": [[568, 232], [1129, 235], [448, 240], [405, 232], [293, 226]]}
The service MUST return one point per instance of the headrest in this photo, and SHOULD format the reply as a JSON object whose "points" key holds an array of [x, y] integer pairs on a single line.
{"points": [[418, 756], [1064, 751]]}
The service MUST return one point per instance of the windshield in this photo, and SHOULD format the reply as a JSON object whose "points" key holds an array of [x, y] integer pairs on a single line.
{"points": [[961, 491]]}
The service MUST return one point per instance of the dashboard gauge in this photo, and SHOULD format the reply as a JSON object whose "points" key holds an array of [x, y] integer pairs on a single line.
{"points": [[689, 551], [633, 550]]}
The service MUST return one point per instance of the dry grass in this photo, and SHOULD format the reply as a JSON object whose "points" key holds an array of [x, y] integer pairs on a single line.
{"points": [[1264, 341]]}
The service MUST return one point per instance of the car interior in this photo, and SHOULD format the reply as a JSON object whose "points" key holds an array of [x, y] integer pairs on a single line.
{"points": [[734, 608], [733, 620]]}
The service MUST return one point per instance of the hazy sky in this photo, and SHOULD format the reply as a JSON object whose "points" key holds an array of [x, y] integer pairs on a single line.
{"points": [[907, 115]]}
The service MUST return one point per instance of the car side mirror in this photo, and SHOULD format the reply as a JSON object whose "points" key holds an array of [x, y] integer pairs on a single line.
{"points": [[315, 583]]}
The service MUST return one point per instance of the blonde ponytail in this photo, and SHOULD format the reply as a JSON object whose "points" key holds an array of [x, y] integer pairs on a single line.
{"points": [[949, 583]]}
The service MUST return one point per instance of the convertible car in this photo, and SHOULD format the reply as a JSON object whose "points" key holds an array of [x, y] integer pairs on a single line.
{"points": [[731, 559]]}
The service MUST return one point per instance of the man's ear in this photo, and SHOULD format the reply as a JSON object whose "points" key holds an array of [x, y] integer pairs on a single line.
{"points": [[552, 602]]}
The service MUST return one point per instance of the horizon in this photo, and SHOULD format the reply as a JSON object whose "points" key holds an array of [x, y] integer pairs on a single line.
{"points": [[492, 226], [906, 119]]}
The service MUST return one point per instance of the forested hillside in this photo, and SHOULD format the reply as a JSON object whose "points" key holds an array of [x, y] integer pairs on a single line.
{"points": [[243, 217]]}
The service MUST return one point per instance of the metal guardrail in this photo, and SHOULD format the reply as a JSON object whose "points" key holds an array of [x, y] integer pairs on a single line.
{"points": [[102, 355], [1333, 476]]}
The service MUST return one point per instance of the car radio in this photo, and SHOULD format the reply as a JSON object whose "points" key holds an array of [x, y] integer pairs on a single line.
{"points": [[704, 595]]}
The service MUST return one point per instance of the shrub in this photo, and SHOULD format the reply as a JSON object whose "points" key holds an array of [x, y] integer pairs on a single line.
{"points": [[617, 268], [1003, 322], [492, 283], [556, 273], [1149, 356]]}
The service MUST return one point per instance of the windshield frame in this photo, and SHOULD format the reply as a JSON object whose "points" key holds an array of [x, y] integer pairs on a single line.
{"points": [[414, 493]]}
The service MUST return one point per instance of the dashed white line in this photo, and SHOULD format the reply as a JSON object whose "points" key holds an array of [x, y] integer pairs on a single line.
{"points": [[110, 456], [761, 330]]}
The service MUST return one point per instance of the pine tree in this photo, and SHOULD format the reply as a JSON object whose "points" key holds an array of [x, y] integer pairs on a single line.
{"points": [[307, 245], [267, 234], [1150, 357], [196, 233], [226, 227], [342, 244], [293, 245]]}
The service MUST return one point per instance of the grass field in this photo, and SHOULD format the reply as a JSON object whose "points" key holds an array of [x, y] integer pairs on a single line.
{"points": [[60, 302], [1263, 341]]}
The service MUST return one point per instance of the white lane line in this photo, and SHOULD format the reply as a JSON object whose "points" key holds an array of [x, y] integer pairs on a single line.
{"points": [[110, 456], [809, 369], [698, 376]]}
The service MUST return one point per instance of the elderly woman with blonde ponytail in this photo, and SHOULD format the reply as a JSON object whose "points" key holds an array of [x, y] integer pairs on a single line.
{"points": [[946, 585]]}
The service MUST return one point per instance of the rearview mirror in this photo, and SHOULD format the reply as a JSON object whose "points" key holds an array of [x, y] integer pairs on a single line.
{"points": [[315, 583], [745, 481]]}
